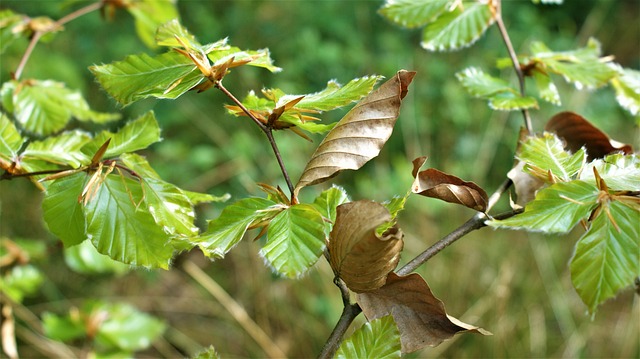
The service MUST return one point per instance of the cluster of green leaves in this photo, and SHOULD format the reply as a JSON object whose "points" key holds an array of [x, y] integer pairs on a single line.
{"points": [[599, 195]]}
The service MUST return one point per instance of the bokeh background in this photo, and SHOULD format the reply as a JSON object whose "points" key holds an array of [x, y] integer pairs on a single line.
{"points": [[513, 284]]}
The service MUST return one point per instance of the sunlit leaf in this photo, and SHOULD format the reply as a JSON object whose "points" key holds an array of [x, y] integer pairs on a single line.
{"points": [[334, 95], [10, 139], [169, 33], [546, 88], [421, 317], [379, 338], [556, 209], [606, 257], [327, 202], [62, 211], [546, 153], [258, 58], [228, 229], [136, 135], [63, 328], [358, 255], [360, 134], [500, 95], [458, 28], [10, 26], [84, 258], [20, 281], [127, 328], [207, 353], [507, 101], [120, 226], [627, 87], [394, 206], [295, 240], [45, 107], [141, 76], [197, 197], [63, 149], [149, 15], [414, 13], [577, 132], [620, 172]]}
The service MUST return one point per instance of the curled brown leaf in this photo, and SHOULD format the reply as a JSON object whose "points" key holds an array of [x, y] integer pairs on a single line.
{"points": [[421, 317], [437, 184], [358, 255], [360, 134]]}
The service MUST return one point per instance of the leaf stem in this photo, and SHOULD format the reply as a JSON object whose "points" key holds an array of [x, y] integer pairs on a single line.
{"points": [[349, 313], [38, 34], [268, 131], [514, 59]]}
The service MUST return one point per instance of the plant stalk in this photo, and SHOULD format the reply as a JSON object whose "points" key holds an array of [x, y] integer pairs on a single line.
{"points": [[349, 313]]}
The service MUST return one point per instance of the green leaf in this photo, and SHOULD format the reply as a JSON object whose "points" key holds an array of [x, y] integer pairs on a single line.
{"points": [[606, 257], [228, 229], [119, 225], [379, 338], [169, 206], [458, 28], [546, 153], [620, 172], [335, 95], [85, 259], [149, 15], [257, 58], [508, 101], [582, 67], [327, 202], [556, 209], [141, 76], [21, 281], [63, 149], [10, 139], [126, 328], [9, 23], [62, 210], [295, 240], [45, 107], [414, 13], [546, 88], [197, 197], [135, 135], [208, 353], [627, 87], [500, 95], [394, 206], [63, 328]]}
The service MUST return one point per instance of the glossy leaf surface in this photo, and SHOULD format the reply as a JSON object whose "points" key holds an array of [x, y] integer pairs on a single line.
{"points": [[378, 338], [458, 28]]}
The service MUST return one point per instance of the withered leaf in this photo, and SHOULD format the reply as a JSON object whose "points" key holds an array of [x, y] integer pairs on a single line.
{"points": [[358, 255], [420, 316], [437, 184], [525, 184], [577, 132], [360, 134]]}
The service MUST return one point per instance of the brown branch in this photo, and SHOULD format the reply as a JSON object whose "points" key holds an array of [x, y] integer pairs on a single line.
{"points": [[349, 313]]}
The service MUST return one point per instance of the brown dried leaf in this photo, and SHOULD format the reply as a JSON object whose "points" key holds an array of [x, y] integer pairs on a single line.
{"points": [[420, 316], [360, 134], [525, 184], [357, 254], [437, 184], [577, 132]]}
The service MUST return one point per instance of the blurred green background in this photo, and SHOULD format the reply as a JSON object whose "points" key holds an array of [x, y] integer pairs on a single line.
{"points": [[512, 284]]}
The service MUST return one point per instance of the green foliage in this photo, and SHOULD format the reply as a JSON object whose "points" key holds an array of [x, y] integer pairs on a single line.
{"points": [[148, 15], [546, 158], [379, 338], [20, 282], [134, 136], [10, 139], [500, 95], [327, 202], [84, 258]]}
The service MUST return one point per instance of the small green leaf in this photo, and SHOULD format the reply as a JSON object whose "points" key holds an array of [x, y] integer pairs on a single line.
{"points": [[458, 28], [500, 95], [627, 87], [135, 135], [508, 101], [141, 76], [546, 153], [120, 226], [379, 338], [20, 281], [228, 229], [208, 353], [414, 13], [63, 149], [169, 33], [257, 58], [126, 328], [45, 107], [84, 258], [10, 139], [9, 23], [327, 202], [394, 206], [62, 211], [149, 15], [546, 88], [335, 95], [620, 172], [295, 240], [556, 209], [63, 328], [197, 197], [606, 257]]}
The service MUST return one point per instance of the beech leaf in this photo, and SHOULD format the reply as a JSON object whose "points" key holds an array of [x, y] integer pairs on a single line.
{"points": [[10, 139], [577, 132], [360, 134], [437, 184], [61, 210], [421, 317], [378, 339], [627, 87], [458, 28], [149, 15], [358, 255], [620, 172], [547, 160], [414, 13]]}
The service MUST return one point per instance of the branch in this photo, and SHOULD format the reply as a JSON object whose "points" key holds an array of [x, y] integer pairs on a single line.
{"points": [[56, 25], [349, 313], [268, 131], [514, 59]]}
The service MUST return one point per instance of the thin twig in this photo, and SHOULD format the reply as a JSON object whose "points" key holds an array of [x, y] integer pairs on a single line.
{"points": [[236, 310], [349, 313], [56, 25], [514, 60], [268, 131]]}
